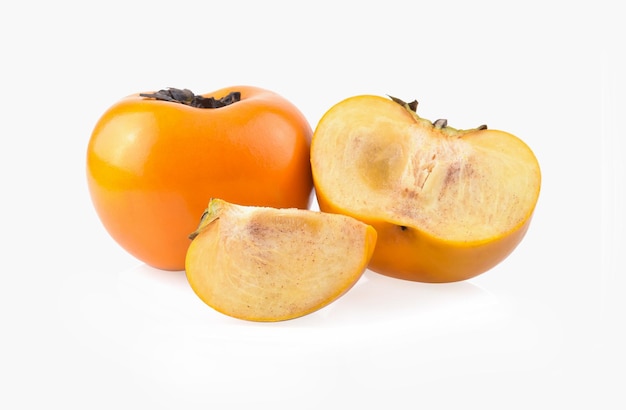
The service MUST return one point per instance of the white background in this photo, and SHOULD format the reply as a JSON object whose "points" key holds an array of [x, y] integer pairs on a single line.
{"points": [[85, 325]]}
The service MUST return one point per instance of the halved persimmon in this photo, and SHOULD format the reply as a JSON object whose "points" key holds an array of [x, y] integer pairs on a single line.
{"points": [[447, 204]]}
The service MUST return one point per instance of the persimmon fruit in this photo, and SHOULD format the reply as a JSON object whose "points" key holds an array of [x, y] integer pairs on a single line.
{"points": [[267, 264], [154, 159], [447, 204]]}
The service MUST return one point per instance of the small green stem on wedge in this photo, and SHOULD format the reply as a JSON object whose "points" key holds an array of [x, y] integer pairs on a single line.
{"points": [[210, 215]]}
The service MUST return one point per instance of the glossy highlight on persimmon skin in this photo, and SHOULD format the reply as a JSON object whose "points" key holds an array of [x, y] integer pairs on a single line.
{"points": [[153, 165]]}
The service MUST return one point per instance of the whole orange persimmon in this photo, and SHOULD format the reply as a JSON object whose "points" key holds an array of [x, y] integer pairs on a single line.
{"points": [[155, 159]]}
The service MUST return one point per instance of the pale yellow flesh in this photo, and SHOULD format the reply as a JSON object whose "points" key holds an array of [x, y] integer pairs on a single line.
{"points": [[265, 264], [462, 188]]}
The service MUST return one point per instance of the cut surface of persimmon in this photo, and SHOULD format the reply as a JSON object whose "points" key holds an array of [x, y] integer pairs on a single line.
{"points": [[447, 204], [268, 264]]}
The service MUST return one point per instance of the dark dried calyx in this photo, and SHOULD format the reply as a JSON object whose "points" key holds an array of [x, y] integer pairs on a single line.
{"points": [[438, 124], [187, 97]]}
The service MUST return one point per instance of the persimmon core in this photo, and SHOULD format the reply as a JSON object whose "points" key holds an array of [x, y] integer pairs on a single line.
{"points": [[187, 97]]}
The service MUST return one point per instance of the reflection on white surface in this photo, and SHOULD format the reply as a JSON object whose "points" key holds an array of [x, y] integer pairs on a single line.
{"points": [[375, 300], [164, 334]]}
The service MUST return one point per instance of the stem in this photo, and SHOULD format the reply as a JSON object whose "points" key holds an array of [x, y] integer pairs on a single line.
{"points": [[440, 124], [412, 106], [187, 97], [210, 215]]}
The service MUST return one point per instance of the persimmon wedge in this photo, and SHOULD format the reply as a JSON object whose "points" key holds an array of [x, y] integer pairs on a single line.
{"points": [[268, 264], [447, 204]]}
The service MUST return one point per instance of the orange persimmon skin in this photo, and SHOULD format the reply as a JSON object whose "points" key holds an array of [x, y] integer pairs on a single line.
{"points": [[152, 166], [416, 256]]}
